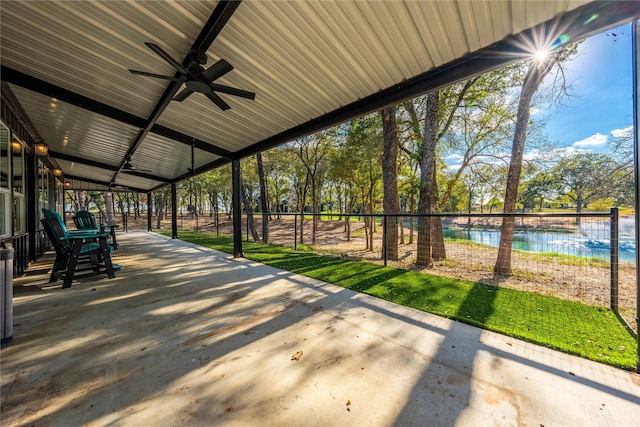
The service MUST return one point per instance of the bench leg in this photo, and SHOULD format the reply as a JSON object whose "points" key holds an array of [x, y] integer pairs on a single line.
{"points": [[106, 256], [73, 263], [61, 262]]}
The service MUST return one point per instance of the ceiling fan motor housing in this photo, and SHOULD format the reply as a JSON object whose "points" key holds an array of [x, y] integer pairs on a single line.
{"points": [[198, 56], [198, 86]]}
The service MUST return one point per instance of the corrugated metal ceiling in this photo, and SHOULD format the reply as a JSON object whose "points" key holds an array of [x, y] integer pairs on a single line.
{"points": [[309, 63]]}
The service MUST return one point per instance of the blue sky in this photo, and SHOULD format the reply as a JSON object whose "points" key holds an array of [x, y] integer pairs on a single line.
{"points": [[602, 88]]}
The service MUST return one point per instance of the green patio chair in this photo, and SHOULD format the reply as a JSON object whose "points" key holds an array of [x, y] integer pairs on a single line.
{"points": [[85, 220], [75, 249]]}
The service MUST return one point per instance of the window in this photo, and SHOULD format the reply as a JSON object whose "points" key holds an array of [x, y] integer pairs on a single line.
{"points": [[43, 187], [5, 207], [17, 164], [4, 157], [17, 171]]}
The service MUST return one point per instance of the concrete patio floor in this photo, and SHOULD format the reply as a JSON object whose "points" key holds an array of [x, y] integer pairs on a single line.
{"points": [[189, 336]]}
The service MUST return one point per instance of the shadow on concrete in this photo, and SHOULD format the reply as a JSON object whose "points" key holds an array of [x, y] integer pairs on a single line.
{"points": [[187, 333], [443, 392]]}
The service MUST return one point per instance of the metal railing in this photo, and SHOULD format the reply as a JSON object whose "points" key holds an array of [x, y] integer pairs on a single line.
{"points": [[582, 256], [20, 245], [578, 256]]}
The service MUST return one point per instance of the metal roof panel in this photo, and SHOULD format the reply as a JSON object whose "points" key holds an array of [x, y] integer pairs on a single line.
{"points": [[305, 60]]}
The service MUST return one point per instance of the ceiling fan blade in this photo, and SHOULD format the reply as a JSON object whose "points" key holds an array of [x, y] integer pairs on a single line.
{"points": [[157, 76], [217, 70], [164, 55], [232, 91], [217, 100], [184, 94], [128, 167]]}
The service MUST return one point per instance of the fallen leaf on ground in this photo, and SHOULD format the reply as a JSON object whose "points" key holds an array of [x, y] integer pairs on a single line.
{"points": [[297, 355]]}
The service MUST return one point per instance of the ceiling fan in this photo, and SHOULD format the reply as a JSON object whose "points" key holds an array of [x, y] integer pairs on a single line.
{"points": [[128, 167], [197, 78]]}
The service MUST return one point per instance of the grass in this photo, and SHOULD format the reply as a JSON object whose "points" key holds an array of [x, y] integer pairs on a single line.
{"points": [[591, 332]]}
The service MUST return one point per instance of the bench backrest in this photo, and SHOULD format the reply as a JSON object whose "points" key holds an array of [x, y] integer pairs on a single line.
{"points": [[56, 235], [55, 216], [85, 220]]}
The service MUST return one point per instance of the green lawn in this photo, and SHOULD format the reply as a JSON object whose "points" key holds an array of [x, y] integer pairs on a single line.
{"points": [[591, 332]]}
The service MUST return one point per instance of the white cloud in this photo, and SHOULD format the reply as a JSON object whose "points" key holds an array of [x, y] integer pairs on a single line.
{"points": [[566, 152], [623, 133], [592, 141], [534, 110]]}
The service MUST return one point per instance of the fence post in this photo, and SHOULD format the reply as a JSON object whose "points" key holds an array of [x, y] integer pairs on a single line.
{"points": [[613, 241], [384, 239], [295, 231]]}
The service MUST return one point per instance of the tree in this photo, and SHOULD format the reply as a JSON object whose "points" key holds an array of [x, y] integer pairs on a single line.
{"points": [[313, 152], [361, 153], [428, 188], [586, 177], [249, 185], [108, 203], [468, 119], [536, 72], [278, 181], [390, 201], [162, 196], [79, 199], [264, 203], [345, 160], [212, 186], [539, 189]]}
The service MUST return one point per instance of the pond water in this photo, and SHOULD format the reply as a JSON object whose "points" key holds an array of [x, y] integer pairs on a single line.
{"points": [[593, 240]]}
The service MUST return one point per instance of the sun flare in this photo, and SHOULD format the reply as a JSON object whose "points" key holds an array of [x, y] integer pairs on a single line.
{"points": [[541, 55]]}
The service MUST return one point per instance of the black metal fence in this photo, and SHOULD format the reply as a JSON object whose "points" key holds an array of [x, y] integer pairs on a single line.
{"points": [[586, 257]]}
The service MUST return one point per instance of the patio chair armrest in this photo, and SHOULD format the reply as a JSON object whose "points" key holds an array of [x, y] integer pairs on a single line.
{"points": [[89, 235]]}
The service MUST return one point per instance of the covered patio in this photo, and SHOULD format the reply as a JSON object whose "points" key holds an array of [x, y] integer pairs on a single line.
{"points": [[191, 336]]}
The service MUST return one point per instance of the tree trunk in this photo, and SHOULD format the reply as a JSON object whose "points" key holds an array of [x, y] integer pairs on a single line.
{"points": [[315, 208], [249, 208], [535, 75], [426, 202], [160, 210], [108, 202], [438, 251], [390, 201], [301, 193], [579, 204], [263, 200], [119, 206], [412, 207]]}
